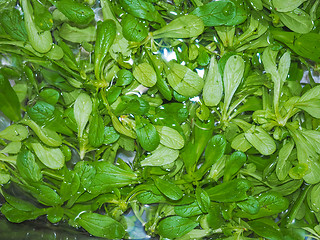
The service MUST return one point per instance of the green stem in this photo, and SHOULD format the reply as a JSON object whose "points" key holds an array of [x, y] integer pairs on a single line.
{"points": [[53, 175], [291, 215]]}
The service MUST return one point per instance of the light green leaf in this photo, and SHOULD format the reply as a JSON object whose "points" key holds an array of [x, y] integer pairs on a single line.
{"points": [[297, 20], [170, 137], [41, 41], [47, 136], [12, 148], [183, 80], [232, 76], [51, 157], [145, 74], [161, 156], [14, 132], [240, 143], [82, 111], [261, 140], [187, 26], [314, 198], [283, 165], [213, 88], [286, 6]]}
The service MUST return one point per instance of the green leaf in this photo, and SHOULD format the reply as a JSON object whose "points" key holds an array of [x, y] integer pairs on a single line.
{"points": [[314, 198], [270, 203], [70, 185], [203, 200], [18, 203], [86, 172], [45, 195], [186, 26], [27, 166], [297, 20], [77, 35], [183, 80], [10, 104], [82, 111], [142, 9], [133, 29], [232, 77], [286, 6], [14, 132], [41, 41], [240, 143], [74, 11], [214, 218], [162, 155], [110, 135], [265, 230], [13, 24], [12, 148], [216, 13], [213, 88], [17, 216], [101, 225], [176, 226], [283, 164], [168, 188], [256, 4], [261, 140], [109, 176], [145, 74], [232, 191], [147, 134], [106, 33], [299, 171], [125, 77], [251, 205], [188, 210], [42, 16], [51, 157], [96, 131], [215, 149], [233, 165], [170, 137], [50, 95]]}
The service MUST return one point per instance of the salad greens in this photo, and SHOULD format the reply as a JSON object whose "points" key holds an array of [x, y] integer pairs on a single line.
{"points": [[190, 114]]}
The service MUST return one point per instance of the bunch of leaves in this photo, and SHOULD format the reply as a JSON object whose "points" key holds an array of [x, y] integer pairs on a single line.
{"points": [[205, 96]]}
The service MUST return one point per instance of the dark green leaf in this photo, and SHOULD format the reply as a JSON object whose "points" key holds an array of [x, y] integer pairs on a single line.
{"points": [[147, 134], [10, 104], [168, 188]]}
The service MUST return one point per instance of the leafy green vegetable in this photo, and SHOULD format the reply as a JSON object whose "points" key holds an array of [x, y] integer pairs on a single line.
{"points": [[190, 119]]}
